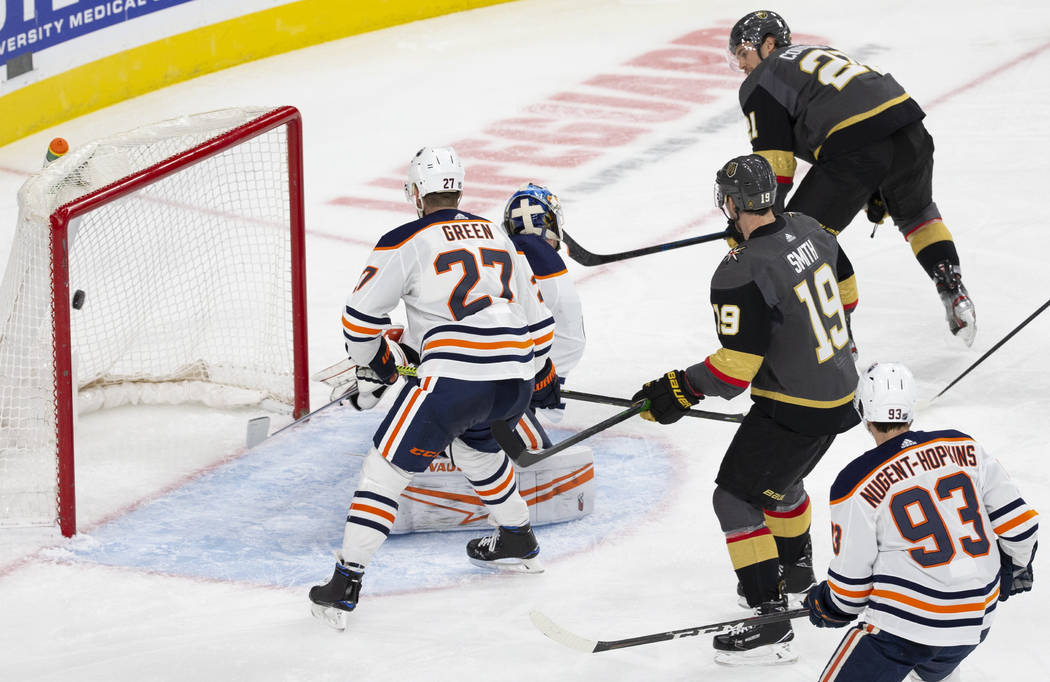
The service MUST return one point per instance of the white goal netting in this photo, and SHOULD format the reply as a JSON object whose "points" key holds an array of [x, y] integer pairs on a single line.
{"points": [[179, 261]]}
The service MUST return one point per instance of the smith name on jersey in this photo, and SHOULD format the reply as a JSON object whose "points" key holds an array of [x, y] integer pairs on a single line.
{"points": [[473, 307], [783, 277], [914, 525]]}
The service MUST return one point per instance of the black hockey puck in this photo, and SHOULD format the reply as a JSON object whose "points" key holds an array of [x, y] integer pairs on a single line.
{"points": [[78, 299]]}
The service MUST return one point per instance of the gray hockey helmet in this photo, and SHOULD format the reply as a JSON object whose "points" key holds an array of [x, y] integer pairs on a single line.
{"points": [[753, 28], [749, 180]]}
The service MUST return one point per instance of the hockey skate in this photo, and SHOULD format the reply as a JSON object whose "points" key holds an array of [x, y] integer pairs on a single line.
{"points": [[795, 580], [508, 549], [760, 644], [332, 601], [958, 307]]}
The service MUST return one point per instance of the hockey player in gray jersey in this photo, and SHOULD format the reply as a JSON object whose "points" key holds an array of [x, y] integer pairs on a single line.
{"points": [[782, 327], [864, 136]]}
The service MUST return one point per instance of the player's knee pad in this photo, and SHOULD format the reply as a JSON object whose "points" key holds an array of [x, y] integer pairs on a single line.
{"points": [[379, 474], [475, 464], [735, 514]]}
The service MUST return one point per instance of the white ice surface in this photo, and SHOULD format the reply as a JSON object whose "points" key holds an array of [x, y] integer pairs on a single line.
{"points": [[195, 561]]}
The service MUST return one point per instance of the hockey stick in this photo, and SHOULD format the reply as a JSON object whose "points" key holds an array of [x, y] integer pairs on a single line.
{"points": [[593, 646], [990, 351], [585, 257], [523, 457], [624, 402], [259, 426]]}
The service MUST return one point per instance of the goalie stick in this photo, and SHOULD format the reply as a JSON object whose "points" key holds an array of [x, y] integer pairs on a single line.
{"points": [[523, 457], [585, 257], [624, 402], [259, 427], [593, 646]]}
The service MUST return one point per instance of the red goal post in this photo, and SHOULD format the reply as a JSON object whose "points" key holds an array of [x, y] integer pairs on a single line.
{"points": [[165, 264]]}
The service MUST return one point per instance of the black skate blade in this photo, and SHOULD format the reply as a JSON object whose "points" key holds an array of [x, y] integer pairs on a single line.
{"points": [[532, 565]]}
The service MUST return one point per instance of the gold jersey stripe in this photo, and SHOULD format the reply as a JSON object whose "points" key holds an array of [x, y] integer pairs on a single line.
{"points": [[783, 163], [736, 364], [805, 402], [863, 116]]}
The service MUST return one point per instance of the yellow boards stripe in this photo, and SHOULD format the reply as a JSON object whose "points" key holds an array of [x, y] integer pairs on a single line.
{"points": [[205, 50]]}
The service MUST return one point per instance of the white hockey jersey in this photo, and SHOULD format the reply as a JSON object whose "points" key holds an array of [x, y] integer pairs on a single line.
{"points": [[914, 525], [473, 306], [559, 294]]}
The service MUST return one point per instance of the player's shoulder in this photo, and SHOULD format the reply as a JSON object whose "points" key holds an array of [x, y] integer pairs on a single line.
{"points": [[402, 234], [543, 259], [857, 471]]}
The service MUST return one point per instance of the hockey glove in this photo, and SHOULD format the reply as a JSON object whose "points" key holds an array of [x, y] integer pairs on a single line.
{"points": [[1014, 578], [669, 397], [547, 391], [382, 369], [822, 612], [876, 208], [381, 374]]}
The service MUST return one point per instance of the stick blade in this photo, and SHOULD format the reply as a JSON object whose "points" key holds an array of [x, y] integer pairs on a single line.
{"points": [[561, 635], [258, 431], [580, 254]]}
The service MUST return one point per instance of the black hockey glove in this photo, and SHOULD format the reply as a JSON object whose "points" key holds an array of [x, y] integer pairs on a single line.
{"points": [[876, 208], [669, 397], [822, 612], [382, 369], [547, 391], [1014, 578]]}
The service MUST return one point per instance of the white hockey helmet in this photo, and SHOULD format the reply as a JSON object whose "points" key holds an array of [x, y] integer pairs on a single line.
{"points": [[433, 169], [886, 393]]}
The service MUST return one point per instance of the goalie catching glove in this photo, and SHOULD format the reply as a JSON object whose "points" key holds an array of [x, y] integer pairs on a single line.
{"points": [[670, 397]]}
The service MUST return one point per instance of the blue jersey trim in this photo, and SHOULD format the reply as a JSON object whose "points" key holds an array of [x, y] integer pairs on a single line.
{"points": [[403, 233], [542, 257], [872, 460]]}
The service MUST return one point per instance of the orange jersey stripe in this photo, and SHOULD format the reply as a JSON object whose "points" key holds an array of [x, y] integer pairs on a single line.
{"points": [[361, 330], [478, 345], [553, 274], [936, 608], [848, 593], [1030, 514], [392, 435]]}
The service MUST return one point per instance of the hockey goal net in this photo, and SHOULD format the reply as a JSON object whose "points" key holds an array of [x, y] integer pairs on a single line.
{"points": [[160, 265]]}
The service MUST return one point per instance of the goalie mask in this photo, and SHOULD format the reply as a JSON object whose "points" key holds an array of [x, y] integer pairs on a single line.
{"points": [[886, 393], [750, 181], [433, 170], [534, 210], [753, 28]]}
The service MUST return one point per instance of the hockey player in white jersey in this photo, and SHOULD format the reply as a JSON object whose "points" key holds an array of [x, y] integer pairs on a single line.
{"points": [[483, 335], [929, 534], [533, 217]]}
